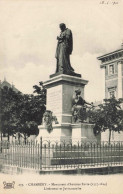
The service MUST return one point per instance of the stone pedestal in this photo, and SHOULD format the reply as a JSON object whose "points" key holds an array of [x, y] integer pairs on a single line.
{"points": [[60, 92], [83, 132], [60, 133]]}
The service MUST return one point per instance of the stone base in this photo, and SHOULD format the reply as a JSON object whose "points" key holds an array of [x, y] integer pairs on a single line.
{"points": [[83, 132], [60, 133], [69, 133], [71, 74]]}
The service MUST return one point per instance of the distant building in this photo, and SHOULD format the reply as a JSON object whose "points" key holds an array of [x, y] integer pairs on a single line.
{"points": [[113, 66], [6, 83]]}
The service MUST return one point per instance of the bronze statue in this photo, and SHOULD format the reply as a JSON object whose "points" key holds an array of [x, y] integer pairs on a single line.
{"points": [[64, 50], [79, 107]]}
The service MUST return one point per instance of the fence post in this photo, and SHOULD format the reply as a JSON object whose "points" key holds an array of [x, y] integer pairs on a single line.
{"points": [[1, 146], [40, 153]]}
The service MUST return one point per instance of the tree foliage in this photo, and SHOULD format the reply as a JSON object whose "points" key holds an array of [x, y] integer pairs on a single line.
{"points": [[108, 115], [22, 113], [9, 104]]}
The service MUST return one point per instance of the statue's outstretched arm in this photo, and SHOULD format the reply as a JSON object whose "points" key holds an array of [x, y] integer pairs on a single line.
{"points": [[88, 103]]}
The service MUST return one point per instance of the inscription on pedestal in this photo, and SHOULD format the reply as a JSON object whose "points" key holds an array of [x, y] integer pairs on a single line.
{"points": [[54, 99]]}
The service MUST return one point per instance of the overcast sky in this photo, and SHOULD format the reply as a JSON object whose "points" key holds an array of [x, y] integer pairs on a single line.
{"points": [[28, 31]]}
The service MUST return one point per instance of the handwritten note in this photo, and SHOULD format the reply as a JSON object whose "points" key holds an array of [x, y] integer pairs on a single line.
{"points": [[109, 2]]}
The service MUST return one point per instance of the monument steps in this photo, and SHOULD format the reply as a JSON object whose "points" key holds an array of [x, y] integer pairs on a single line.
{"points": [[86, 160], [84, 154]]}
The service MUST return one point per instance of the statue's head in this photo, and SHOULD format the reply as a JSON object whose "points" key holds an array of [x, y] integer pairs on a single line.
{"points": [[62, 26], [78, 92]]}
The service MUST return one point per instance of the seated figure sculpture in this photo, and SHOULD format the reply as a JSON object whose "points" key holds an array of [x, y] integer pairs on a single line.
{"points": [[79, 108]]}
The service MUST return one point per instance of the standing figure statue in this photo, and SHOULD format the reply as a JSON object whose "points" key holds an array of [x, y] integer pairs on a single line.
{"points": [[64, 50], [79, 108]]}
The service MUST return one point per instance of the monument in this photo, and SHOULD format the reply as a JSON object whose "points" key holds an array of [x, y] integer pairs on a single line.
{"points": [[63, 51], [61, 89]]}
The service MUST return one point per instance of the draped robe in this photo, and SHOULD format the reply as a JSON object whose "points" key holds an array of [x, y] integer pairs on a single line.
{"points": [[63, 51]]}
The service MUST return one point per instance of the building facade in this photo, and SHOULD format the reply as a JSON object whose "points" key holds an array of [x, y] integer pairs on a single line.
{"points": [[113, 67], [112, 64]]}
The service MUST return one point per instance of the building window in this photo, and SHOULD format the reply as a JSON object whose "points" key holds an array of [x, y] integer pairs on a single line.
{"points": [[111, 69], [112, 92]]}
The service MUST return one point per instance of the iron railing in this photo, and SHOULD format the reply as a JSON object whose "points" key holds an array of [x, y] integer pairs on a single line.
{"points": [[50, 155]]}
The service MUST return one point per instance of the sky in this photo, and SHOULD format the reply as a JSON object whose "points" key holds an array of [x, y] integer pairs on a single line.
{"points": [[28, 31]]}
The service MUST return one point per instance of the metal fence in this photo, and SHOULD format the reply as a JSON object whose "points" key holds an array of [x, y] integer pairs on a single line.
{"points": [[50, 155]]}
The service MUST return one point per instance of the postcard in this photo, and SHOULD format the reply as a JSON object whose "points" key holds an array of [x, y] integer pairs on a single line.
{"points": [[59, 60]]}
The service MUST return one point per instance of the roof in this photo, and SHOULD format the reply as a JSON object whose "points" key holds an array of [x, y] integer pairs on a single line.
{"points": [[109, 54], [6, 83]]}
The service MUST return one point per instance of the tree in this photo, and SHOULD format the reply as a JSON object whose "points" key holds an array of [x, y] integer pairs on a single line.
{"points": [[108, 115], [9, 103], [22, 113], [31, 112], [39, 101]]}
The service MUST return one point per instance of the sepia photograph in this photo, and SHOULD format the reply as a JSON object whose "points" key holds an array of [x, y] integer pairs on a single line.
{"points": [[61, 96]]}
